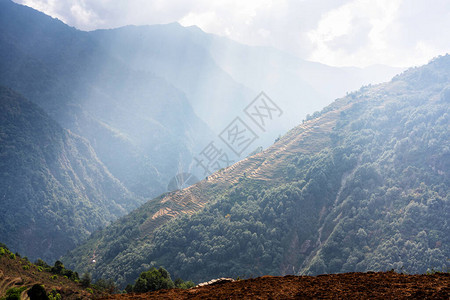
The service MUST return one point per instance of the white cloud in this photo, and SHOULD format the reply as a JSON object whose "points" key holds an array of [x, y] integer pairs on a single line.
{"points": [[381, 32], [335, 32], [362, 22], [235, 19], [84, 15]]}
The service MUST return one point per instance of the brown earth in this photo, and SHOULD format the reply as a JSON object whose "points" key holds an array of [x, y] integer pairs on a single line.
{"points": [[387, 285], [18, 272]]}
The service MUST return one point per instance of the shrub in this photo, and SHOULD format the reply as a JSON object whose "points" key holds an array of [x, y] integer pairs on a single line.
{"points": [[54, 295], [12, 256], [181, 284], [57, 296], [14, 293]]}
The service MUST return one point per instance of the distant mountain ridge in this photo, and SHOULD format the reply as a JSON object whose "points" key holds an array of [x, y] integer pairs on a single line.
{"points": [[220, 76], [362, 185]]}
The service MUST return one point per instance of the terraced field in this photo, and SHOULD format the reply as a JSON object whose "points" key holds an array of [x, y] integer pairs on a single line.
{"points": [[311, 136]]}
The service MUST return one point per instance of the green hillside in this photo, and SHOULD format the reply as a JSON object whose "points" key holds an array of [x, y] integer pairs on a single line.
{"points": [[53, 189], [361, 185], [22, 279]]}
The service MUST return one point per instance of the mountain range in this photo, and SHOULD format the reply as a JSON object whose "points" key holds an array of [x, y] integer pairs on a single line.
{"points": [[361, 185], [221, 77], [94, 124]]}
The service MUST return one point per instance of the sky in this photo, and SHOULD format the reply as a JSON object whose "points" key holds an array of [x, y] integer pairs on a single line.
{"points": [[399, 33]]}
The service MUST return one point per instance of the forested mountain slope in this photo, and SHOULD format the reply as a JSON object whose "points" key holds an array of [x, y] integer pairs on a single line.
{"points": [[141, 127], [362, 185], [54, 191]]}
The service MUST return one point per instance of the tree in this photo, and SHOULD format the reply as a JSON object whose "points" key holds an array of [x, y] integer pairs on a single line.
{"points": [[41, 263], [129, 288], [58, 267], [37, 292], [86, 280], [106, 285], [153, 280]]}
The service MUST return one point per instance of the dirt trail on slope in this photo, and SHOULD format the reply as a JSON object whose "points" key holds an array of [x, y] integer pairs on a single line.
{"points": [[386, 285]]}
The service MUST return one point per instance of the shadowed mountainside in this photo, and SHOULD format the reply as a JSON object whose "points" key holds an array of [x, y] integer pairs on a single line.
{"points": [[54, 189]]}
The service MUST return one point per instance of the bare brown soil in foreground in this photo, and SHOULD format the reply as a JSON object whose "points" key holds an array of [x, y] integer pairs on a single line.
{"points": [[387, 285]]}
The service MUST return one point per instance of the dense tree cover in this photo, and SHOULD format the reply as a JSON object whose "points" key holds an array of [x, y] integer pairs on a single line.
{"points": [[393, 210], [53, 189], [376, 198]]}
